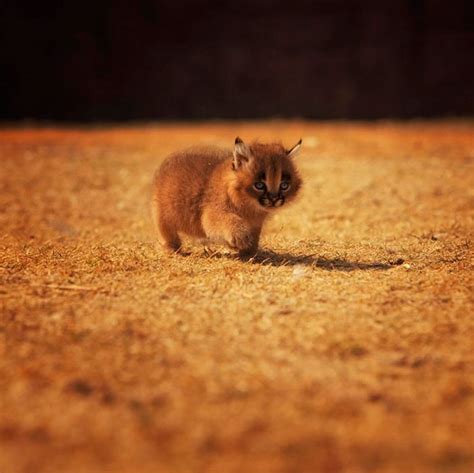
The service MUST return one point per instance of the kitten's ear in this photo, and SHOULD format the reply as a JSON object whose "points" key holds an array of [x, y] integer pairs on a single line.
{"points": [[242, 153], [295, 150]]}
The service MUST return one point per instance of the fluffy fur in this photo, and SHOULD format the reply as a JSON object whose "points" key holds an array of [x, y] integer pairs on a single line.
{"points": [[223, 196]]}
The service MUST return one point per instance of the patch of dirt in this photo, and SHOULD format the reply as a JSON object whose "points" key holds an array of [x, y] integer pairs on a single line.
{"points": [[346, 345]]}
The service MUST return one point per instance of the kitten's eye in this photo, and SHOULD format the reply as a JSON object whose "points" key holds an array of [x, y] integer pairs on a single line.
{"points": [[284, 186], [260, 186]]}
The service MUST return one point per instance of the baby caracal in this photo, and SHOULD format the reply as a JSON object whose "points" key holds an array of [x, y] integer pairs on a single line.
{"points": [[223, 196]]}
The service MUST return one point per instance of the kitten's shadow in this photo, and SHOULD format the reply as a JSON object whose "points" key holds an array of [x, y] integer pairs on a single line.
{"points": [[270, 258]]}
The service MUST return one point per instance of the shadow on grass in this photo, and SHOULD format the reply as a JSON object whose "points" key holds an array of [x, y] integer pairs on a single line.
{"points": [[270, 258]]}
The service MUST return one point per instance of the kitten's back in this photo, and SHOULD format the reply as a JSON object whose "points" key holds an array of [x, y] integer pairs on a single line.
{"points": [[180, 184]]}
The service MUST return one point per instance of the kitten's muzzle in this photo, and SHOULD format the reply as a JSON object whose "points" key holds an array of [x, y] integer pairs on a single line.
{"points": [[275, 197], [272, 199]]}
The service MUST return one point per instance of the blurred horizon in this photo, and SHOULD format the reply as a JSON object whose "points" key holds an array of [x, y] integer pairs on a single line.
{"points": [[201, 60]]}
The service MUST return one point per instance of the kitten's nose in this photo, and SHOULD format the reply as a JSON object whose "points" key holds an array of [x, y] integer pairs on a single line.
{"points": [[273, 196]]}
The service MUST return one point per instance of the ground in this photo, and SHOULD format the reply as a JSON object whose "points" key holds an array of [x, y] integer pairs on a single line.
{"points": [[347, 345]]}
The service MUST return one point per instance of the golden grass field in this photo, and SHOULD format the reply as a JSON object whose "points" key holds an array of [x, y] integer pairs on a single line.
{"points": [[347, 345]]}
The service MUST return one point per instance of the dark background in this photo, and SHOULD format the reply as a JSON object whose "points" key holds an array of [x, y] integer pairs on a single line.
{"points": [[168, 59]]}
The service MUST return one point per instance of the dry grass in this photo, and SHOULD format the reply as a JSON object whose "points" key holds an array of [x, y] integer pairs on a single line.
{"points": [[326, 353]]}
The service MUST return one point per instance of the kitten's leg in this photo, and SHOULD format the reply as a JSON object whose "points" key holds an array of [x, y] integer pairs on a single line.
{"points": [[245, 240], [167, 235], [233, 230], [169, 238]]}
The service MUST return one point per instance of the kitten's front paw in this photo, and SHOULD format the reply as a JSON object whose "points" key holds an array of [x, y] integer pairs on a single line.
{"points": [[244, 242]]}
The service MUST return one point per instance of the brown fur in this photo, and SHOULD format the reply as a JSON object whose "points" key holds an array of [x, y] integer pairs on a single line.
{"points": [[209, 193]]}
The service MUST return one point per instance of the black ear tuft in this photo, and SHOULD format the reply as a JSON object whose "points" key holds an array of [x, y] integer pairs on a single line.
{"points": [[294, 151], [242, 153]]}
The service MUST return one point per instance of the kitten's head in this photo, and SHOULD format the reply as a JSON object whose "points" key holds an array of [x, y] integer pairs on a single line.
{"points": [[265, 174]]}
